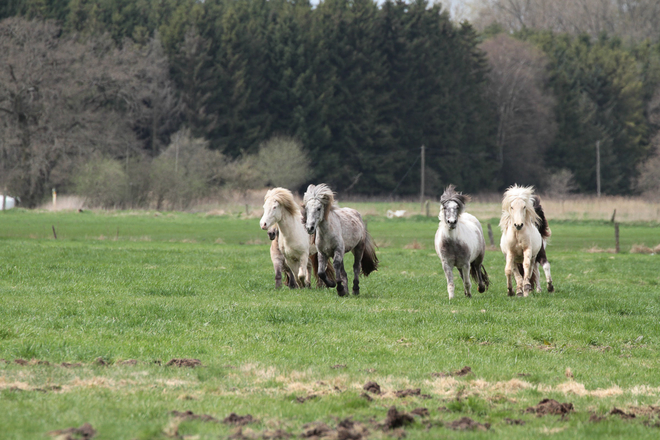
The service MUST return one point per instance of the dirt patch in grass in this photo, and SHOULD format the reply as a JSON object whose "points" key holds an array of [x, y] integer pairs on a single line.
{"points": [[372, 387], [467, 424], [189, 415], [509, 421], [86, 431], [235, 419], [550, 406], [422, 412], [458, 373], [624, 415], [396, 419], [338, 366], [71, 365], [183, 362], [128, 362]]}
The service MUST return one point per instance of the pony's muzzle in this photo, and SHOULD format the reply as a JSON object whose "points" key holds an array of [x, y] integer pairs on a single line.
{"points": [[264, 226], [310, 230], [452, 224], [518, 226]]}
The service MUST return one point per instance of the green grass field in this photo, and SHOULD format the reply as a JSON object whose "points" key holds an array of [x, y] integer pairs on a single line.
{"points": [[146, 287]]}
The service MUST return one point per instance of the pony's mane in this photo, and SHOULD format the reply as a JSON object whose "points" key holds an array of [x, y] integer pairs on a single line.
{"points": [[285, 198], [524, 193], [323, 194], [542, 224], [451, 195]]}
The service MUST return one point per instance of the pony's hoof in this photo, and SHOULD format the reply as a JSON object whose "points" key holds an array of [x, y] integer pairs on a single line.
{"points": [[467, 294], [551, 288], [510, 292], [527, 289], [519, 294], [341, 291], [356, 292]]}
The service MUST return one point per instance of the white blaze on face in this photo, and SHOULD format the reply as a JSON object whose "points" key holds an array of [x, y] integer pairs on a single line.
{"points": [[451, 213]]}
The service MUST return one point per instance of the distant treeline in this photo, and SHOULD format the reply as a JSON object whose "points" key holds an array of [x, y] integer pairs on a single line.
{"points": [[361, 87]]}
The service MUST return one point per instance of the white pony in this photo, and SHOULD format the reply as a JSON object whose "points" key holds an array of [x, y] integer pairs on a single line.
{"points": [[521, 240], [338, 230], [459, 242], [293, 241], [279, 263]]}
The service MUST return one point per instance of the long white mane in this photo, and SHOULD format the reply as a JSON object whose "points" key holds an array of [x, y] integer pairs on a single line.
{"points": [[524, 193], [285, 198]]}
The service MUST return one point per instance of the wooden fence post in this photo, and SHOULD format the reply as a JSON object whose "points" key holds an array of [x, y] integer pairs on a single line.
{"points": [[616, 236]]}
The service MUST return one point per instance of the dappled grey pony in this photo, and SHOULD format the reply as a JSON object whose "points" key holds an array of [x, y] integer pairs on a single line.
{"points": [[459, 242], [338, 230]]}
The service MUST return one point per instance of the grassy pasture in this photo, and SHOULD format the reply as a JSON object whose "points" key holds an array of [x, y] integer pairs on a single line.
{"points": [[153, 287]]}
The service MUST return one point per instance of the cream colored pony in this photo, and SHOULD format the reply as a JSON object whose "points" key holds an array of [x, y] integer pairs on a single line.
{"points": [[521, 240], [293, 240]]}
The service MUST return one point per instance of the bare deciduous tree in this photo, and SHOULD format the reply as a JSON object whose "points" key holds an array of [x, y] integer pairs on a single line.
{"points": [[64, 100], [526, 124], [634, 19]]}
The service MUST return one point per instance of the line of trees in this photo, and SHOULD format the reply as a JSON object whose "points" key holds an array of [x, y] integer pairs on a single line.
{"points": [[350, 89]]}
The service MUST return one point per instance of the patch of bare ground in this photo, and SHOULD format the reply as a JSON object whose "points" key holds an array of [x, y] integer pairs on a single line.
{"points": [[189, 415], [128, 362], [509, 421], [422, 412], [235, 419], [346, 429], [86, 431], [551, 406], [303, 399], [412, 392], [624, 415], [372, 387], [183, 362], [466, 423], [459, 373], [396, 419]]}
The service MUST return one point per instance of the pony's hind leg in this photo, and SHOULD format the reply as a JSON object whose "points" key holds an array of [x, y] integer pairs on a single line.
{"points": [[340, 272], [548, 277], [358, 251], [449, 274], [508, 271], [465, 274]]}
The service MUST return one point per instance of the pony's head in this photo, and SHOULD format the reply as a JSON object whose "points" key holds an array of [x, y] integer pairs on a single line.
{"points": [[452, 205], [318, 201], [277, 202], [273, 232], [518, 207]]}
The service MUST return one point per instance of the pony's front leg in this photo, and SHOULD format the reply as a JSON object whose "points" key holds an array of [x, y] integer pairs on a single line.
{"points": [[342, 278], [519, 279], [323, 263], [303, 272], [508, 271], [528, 267], [449, 274], [278, 276], [465, 274]]}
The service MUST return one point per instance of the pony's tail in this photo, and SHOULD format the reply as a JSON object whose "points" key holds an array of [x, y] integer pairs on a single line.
{"points": [[542, 225], [369, 260], [479, 274]]}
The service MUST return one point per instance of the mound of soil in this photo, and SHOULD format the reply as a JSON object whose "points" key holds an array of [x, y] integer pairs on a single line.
{"points": [[462, 372], [595, 418], [551, 406], [316, 429], [101, 362], [84, 432], [422, 412], [466, 423], [184, 363], [514, 421], [367, 396], [396, 419], [189, 415], [303, 399], [235, 419], [408, 392], [128, 362], [624, 415], [71, 365], [372, 387], [21, 361]]}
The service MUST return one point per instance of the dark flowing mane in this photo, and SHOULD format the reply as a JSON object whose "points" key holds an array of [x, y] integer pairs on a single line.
{"points": [[451, 195], [542, 223]]}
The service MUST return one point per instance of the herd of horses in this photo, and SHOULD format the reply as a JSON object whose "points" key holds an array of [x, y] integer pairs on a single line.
{"points": [[312, 238]]}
